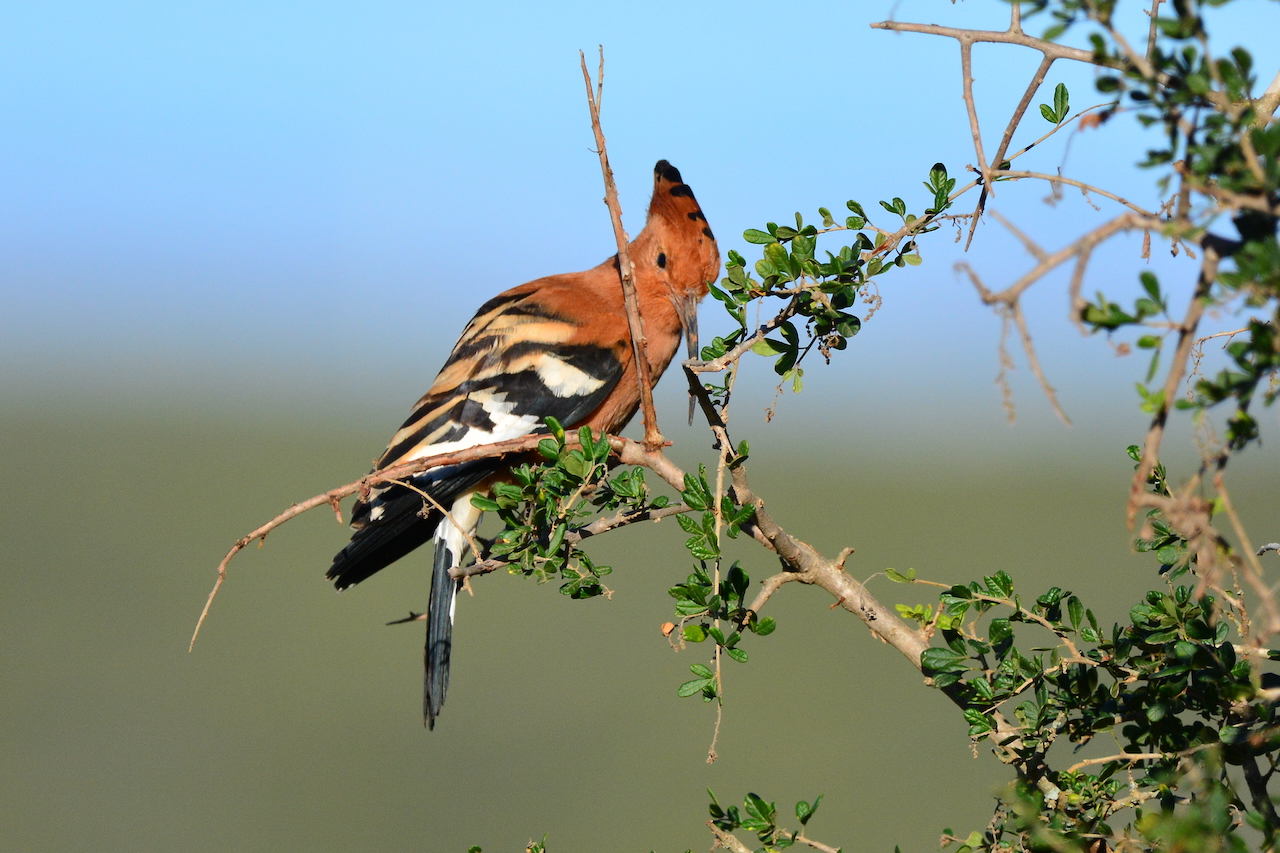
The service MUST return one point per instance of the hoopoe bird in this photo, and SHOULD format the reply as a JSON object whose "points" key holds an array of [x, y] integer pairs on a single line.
{"points": [[556, 347]]}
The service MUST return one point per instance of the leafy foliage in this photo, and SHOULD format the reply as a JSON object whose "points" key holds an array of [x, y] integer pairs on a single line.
{"points": [[541, 508], [1185, 685], [761, 817]]}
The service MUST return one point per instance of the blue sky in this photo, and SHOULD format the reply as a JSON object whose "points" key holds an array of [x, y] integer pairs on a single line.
{"points": [[314, 197]]}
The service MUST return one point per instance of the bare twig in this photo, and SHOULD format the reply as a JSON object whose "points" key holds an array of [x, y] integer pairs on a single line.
{"points": [[1151, 32], [630, 452], [1034, 362], [800, 838], [726, 840], [1266, 105], [470, 537], [1124, 222], [1058, 179], [1177, 367], [1253, 575], [1048, 48], [966, 65], [626, 271], [1032, 247], [728, 359], [1020, 110], [1057, 127], [1132, 757]]}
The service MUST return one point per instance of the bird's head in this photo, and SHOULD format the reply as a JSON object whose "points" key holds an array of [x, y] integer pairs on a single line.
{"points": [[677, 247]]}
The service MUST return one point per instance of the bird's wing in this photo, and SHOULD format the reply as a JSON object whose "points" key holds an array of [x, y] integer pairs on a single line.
{"points": [[521, 359]]}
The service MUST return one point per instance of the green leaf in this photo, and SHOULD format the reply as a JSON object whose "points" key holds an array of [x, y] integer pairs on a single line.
{"points": [[690, 688], [1000, 584], [942, 660], [1061, 101], [765, 626], [737, 654], [701, 670], [1047, 112], [695, 633], [752, 235], [484, 503], [769, 347]]}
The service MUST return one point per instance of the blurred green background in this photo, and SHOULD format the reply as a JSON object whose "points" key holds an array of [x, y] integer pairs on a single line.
{"points": [[295, 724]]}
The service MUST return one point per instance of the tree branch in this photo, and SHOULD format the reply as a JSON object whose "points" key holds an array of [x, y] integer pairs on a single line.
{"points": [[630, 452], [1010, 36], [810, 567], [573, 537], [626, 270], [1270, 100], [1177, 368]]}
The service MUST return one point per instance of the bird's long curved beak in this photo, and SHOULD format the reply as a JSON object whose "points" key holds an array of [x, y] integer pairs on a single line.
{"points": [[687, 309]]}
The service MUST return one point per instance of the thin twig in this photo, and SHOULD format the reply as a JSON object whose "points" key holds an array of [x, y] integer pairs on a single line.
{"points": [[630, 452], [1034, 362], [1057, 127], [1132, 757], [1021, 109], [966, 66], [1124, 222], [1177, 367], [728, 359], [626, 271], [1266, 105], [1058, 179], [1032, 247], [800, 838], [471, 539], [727, 840], [1048, 48], [1151, 32], [1254, 575]]}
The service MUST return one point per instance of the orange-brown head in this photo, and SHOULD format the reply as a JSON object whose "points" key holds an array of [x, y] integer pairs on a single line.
{"points": [[676, 253]]}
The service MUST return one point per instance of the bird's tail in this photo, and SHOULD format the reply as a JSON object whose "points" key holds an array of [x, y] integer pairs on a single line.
{"points": [[450, 549]]}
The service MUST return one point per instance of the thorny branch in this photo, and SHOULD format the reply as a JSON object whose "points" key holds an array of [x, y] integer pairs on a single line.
{"points": [[362, 486], [626, 270], [1177, 368]]}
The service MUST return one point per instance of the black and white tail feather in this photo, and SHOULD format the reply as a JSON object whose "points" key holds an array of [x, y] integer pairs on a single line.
{"points": [[519, 367]]}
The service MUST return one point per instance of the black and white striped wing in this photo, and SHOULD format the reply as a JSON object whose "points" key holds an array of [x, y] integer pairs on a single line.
{"points": [[512, 368]]}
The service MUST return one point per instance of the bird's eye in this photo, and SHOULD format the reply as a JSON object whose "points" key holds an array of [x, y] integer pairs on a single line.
{"points": [[662, 260]]}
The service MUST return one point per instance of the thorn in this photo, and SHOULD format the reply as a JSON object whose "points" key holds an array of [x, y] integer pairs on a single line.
{"points": [[412, 617]]}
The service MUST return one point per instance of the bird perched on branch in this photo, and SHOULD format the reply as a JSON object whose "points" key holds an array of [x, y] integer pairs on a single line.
{"points": [[556, 347]]}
